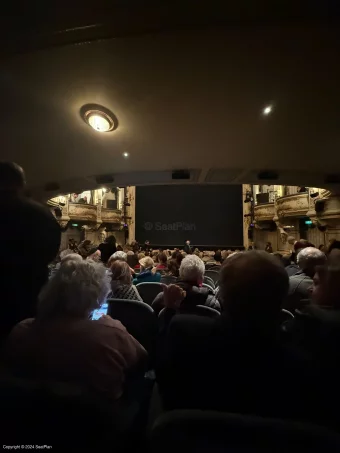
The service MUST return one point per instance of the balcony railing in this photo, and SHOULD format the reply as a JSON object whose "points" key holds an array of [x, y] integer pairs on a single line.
{"points": [[296, 205], [82, 212], [87, 213], [264, 212]]}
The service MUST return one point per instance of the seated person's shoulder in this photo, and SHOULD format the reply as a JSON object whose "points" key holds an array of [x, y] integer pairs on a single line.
{"points": [[108, 322], [22, 328]]}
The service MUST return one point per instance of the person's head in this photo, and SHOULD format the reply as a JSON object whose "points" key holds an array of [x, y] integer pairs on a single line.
{"points": [[334, 245], [187, 242], [322, 248], [269, 244], [218, 256], [94, 254], [192, 270], [177, 255], [121, 273], [253, 286], [326, 286], [132, 259], [309, 258], [111, 240], [173, 268], [302, 244], [147, 242], [146, 263], [140, 256], [117, 256], [71, 257], [162, 258], [12, 178], [77, 288]]}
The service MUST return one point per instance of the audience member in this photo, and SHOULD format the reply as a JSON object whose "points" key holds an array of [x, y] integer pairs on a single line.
{"points": [[162, 261], [300, 284], [148, 271], [146, 247], [269, 247], [121, 283], [67, 257], [84, 247], [140, 256], [216, 261], [107, 248], [191, 274], [63, 344], [315, 331], [293, 268], [177, 256], [173, 268], [117, 256], [135, 246], [94, 254], [30, 234], [132, 259], [187, 248], [333, 245], [72, 245], [241, 350]]}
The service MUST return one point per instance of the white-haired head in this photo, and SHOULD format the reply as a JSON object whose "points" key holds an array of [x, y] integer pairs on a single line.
{"points": [[75, 291], [71, 257], [118, 256], [192, 269], [309, 258]]}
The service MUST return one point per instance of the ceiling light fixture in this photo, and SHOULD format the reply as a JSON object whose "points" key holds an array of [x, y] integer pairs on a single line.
{"points": [[267, 110], [99, 118], [125, 155]]}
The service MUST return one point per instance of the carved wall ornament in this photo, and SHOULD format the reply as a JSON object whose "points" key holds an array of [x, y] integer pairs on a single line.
{"points": [[282, 232]]}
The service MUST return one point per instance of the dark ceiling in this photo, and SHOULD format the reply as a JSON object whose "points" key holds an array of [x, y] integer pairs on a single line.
{"points": [[187, 84]]}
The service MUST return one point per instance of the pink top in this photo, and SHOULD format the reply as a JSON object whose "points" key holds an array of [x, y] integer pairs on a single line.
{"points": [[94, 353]]}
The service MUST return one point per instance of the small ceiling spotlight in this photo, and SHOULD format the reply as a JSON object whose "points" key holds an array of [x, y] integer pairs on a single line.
{"points": [[99, 118], [267, 110], [126, 155]]}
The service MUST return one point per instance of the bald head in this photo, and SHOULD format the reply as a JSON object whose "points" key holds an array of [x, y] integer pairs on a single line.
{"points": [[253, 283], [12, 177]]}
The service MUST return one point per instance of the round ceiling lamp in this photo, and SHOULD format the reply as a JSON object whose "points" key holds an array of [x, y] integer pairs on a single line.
{"points": [[99, 118]]}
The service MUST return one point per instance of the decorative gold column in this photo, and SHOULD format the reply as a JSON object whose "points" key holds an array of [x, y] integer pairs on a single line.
{"points": [[131, 212], [246, 210]]}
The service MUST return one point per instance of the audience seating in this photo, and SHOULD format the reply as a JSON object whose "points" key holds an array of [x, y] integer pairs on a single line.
{"points": [[206, 285], [214, 275], [63, 416], [286, 316], [148, 291], [200, 310], [211, 267], [209, 281], [168, 279], [138, 318], [196, 431]]}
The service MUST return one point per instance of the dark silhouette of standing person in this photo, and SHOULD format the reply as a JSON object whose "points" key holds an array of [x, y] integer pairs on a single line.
{"points": [[187, 247], [31, 240], [107, 248], [269, 247]]}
